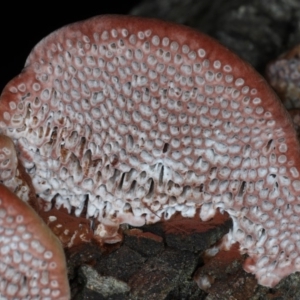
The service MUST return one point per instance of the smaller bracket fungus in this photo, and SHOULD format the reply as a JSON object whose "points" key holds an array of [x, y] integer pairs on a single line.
{"points": [[284, 76], [32, 262], [133, 119]]}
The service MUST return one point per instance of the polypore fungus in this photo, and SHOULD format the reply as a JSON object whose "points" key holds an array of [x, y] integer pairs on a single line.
{"points": [[134, 119], [32, 262], [283, 75]]}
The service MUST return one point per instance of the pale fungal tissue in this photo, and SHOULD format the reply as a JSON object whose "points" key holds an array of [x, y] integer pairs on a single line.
{"points": [[136, 119]]}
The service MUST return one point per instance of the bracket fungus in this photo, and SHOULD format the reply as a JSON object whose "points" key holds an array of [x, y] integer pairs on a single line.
{"points": [[32, 262], [283, 75], [134, 119]]}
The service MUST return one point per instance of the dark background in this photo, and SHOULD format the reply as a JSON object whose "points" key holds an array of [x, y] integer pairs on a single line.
{"points": [[21, 28]]}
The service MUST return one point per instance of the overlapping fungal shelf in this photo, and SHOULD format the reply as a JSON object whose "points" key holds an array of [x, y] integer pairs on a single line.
{"points": [[32, 263], [283, 75], [139, 119]]}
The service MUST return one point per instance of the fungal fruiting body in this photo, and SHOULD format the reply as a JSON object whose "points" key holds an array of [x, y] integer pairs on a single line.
{"points": [[283, 76], [32, 264], [32, 261], [135, 119]]}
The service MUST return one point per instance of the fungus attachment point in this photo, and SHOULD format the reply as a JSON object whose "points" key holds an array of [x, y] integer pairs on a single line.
{"points": [[130, 120], [28, 249]]}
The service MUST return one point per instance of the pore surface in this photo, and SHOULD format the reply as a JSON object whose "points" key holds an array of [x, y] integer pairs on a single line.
{"points": [[138, 119]]}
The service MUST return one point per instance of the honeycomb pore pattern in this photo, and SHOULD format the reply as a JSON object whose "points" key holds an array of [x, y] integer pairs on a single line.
{"points": [[138, 119]]}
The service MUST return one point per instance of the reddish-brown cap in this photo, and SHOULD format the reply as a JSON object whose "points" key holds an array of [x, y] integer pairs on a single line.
{"points": [[140, 118]]}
